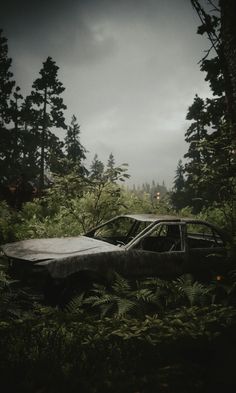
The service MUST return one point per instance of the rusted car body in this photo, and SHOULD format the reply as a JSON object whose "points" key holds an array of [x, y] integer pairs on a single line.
{"points": [[135, 246]]}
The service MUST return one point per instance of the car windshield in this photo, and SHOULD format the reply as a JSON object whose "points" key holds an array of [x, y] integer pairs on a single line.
{"points": [[121, 230]]}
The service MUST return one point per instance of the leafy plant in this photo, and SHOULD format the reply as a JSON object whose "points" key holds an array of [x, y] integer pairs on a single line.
{"points": [[58, 352], [194, 292], [121, 298], [6, 223]]}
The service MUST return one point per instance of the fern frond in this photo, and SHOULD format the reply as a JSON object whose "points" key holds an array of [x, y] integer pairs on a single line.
{"points": [[146, 295], [97, 300], [155, 283], [99, 289], [5, 298], [75, 305], [5, 282], [121, 285], [105, 309], [124, 306], [194, 291]]}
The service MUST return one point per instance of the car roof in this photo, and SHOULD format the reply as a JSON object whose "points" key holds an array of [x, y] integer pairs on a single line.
{"points": [[154, 217], [165, 218], [151, 218]]}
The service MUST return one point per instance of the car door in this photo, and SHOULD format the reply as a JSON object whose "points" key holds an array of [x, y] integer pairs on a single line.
{"points": [[159, 252], [206, 250]]}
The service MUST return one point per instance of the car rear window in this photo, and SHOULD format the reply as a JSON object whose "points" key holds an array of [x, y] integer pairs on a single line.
{"points": [[201, 235]]}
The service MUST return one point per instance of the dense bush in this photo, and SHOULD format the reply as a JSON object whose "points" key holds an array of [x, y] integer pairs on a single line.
{"points": [[71, 207], [6, 223], [150, 336], [176, 345], [61, 352], [136, 299]]}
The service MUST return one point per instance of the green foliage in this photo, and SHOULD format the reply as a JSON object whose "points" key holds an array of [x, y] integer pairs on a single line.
{"points": [[48, 87], [224, 215], [6, 299], [178, 195], [193, 291], [75, 152], [210, 166], [58, 352], [97, 168], [15, 303], [6, 82], [73, 205], [39, 225], [155, 191], [99, 202], [75, 306], [25, 125], [6, 223], [124, 337], [48, 107], [93, 200], [121, 298]]}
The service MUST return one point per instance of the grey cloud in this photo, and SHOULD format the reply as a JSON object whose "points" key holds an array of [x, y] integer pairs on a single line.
{"points": [[129, 68], [61, 26]]}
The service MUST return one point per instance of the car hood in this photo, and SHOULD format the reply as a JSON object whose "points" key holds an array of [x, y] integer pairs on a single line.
{"points": [[37, 250]]}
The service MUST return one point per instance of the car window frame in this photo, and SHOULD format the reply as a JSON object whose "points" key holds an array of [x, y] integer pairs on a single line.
{"points": [[152, 227], [92, 231], [214, 230]]}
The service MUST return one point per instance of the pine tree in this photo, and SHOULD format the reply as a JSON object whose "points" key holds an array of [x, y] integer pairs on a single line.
{"points": [[96, 168], [111, 162], [48, 105], [197, 155], [111, 175], [15, 112], [30, 139], [74, 149], [228, 37], [6, 87], [179, 195], [6, 82], [211, 168], [179, 181]]}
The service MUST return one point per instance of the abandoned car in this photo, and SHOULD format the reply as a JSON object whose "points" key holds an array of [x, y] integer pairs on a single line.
{"points": [[135, 246]]}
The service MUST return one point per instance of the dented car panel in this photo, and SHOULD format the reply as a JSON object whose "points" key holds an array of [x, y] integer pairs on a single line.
{"points": [[35, 250], [134, 245], [133, 263]]}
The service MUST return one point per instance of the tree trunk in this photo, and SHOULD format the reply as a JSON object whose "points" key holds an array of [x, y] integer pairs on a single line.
{"points": [[41, 182], [228, 35]]}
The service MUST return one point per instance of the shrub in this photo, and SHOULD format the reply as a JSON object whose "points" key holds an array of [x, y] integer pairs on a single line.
{"points": [[61, 352], [6, 223]]}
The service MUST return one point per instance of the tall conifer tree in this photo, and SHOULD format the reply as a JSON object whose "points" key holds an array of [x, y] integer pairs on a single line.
{"points": [[74, 149], [46, 97], [6, 82]]}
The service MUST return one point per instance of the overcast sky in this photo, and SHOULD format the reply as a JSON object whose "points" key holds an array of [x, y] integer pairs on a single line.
{"points": [[130, 69]]}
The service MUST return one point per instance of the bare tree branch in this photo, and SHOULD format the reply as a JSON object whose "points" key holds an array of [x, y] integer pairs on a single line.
{"points": [[213, 37], [215, 8]]}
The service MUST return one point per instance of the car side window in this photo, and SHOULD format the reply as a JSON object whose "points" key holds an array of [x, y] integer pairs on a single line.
{"points": [[200, 235], [120, 230], [163, 238], [115, 229]]}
